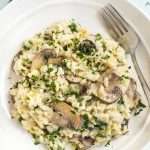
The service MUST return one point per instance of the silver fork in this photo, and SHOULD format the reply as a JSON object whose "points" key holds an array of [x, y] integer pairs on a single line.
{"points": [[127, 38]]}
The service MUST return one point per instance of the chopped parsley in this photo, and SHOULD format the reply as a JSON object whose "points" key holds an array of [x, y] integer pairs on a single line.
{"points": [[67, 46], [50, 69], [98, 37], [34, 78], [121, 101], [36, 139], [81, 55], [129, 67], [20, 119], [73, 27], [75, 42], [124, 77], [124, 124], [53, 86], [85, 121], [108, 143], [101, 125], [140, 106], [47, 36], [106, 57], [104, 45], [51, 136]]}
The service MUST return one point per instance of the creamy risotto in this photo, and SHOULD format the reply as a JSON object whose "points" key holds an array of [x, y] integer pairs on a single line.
{"points": [[73, 87]]}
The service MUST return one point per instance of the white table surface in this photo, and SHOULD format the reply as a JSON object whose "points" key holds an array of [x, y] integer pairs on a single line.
{"points": [[143, 5]]}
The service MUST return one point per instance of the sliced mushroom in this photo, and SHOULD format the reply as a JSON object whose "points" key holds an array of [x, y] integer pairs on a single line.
{"points": [[73, 119], [59, 120], [131, 91], [46, 56], [77, 80], [83, 89], [110, 93], [113, 94], [137, 96], [73, 79], [54, 61], [87, 141]]}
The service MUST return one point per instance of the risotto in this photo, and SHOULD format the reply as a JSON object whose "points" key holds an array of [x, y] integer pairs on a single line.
{"points": [[74, 87]]}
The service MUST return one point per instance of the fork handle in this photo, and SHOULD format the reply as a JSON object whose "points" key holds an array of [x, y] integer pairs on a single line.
{"points": [[141, 77]]}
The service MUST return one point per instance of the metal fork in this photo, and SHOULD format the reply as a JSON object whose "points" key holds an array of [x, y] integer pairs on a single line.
{"points": [[121, 31]]}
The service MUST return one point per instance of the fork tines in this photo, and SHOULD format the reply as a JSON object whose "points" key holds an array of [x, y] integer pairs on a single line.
{"points": [[115, 20]]}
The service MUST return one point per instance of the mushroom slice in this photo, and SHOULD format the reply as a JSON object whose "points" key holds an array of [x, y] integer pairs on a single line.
{"points": [[110, 93], [87, 141], [137, 96], [131, 91], [59, 120], [55, 61], [46, 56], [113, 94], [74, 119], [73, 79]]}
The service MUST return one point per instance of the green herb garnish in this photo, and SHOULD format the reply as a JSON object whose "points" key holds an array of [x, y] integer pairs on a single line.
{"points": [[121, 101], [51, 136], [101, 125], [98, 37], [104, 45], [73, 27], [140, 106], [85, 121], [34, 78]]}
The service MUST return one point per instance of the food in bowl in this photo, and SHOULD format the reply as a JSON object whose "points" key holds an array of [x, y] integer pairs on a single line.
{"points": [[74, 87]]}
